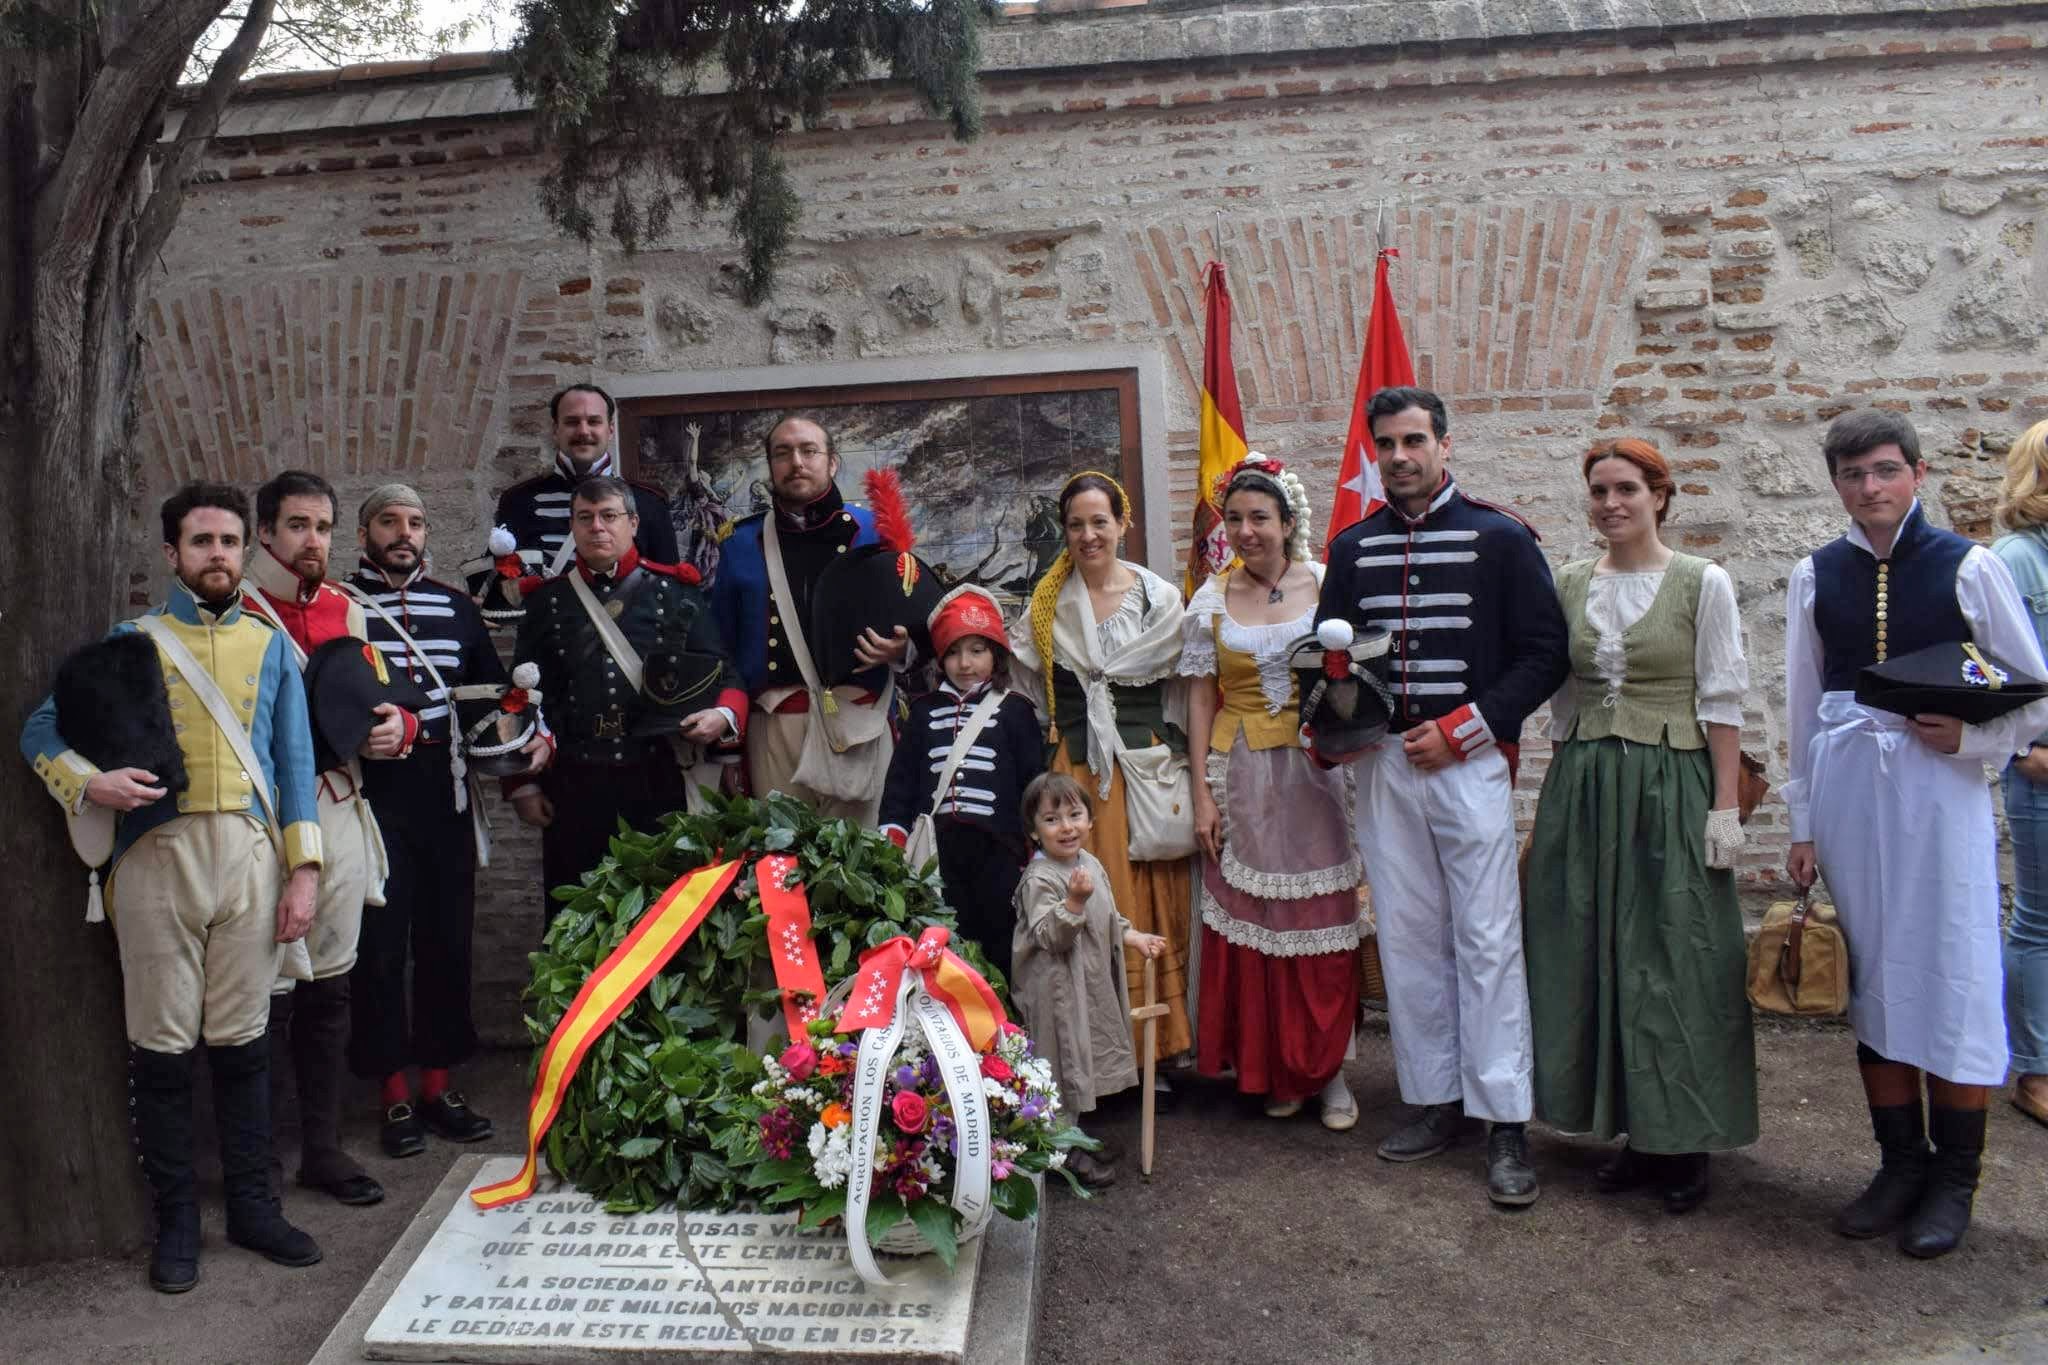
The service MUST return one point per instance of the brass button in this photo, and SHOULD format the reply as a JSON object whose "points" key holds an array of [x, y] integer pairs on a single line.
{"points": [[775, 620], [251, 680], [771, 665], [842, 549]]}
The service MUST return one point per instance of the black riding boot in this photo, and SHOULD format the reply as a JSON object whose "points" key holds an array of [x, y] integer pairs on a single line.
{"points": [[241, 1107], [319, 1042], [160, 1104], [1938, 1224], [1901, 1176]]}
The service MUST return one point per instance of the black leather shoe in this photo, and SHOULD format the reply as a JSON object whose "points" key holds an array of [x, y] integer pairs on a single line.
{"points": [[1626, 1169], [174, 1260], [450, 1116], [1943, 1216], [1894, 1192], [358, 1190], [1685, 1182], [1434, 1129], [401, 1134], [1510, 1179]]}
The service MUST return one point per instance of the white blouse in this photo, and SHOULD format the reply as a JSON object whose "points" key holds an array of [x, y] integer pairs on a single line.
{"points": [[1267, 644], [1123, 624], [1616, 601]]}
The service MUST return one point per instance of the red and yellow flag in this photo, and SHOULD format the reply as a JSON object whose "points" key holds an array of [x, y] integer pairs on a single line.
{"points": [[1223, 439], [1384, 365], [616, 983]]}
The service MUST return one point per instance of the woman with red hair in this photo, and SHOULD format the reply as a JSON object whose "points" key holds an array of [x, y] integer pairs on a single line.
{"points": [[1632, 931]]}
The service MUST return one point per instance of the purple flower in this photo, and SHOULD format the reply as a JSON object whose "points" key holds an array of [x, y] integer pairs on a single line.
{"points": [[1030, 1109], [906, 1077], [929, 1069]]}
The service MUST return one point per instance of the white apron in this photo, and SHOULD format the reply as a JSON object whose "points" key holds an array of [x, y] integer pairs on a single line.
{"points": [[1906, 841]]}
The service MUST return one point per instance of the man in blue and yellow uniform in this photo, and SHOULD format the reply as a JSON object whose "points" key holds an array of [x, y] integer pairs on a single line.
{"points": [[204, 893]]}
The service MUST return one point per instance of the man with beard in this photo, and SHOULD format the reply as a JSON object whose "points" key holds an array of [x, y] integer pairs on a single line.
{"points": [[808, 529], [207, 887], [309, 1023], [433, 633], [621, 756], [536, 512]]}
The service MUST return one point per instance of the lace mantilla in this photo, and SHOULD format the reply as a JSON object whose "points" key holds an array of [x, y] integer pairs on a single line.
{"points": [[1337, 938]]}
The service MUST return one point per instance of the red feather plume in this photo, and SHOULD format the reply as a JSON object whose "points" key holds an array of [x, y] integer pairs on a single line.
{"points": [[892, 516]]}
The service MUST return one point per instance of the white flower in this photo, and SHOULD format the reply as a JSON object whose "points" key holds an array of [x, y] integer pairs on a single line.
{"points": [[1056, 1161], [832, 1154], [1000, 1096]]}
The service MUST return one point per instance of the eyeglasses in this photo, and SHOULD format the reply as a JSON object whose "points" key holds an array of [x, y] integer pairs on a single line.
{"points": [[610, 516], [1884, 471]]}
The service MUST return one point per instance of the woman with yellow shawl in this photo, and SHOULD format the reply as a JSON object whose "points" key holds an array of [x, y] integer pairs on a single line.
{"points": [[1098, 657]]}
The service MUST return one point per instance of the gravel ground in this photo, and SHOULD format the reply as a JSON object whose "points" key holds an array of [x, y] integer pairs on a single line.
{"points": [[1258, 1239]]}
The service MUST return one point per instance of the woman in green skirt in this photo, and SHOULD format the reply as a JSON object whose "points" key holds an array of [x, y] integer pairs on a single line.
{"points": [[1632, 931]]}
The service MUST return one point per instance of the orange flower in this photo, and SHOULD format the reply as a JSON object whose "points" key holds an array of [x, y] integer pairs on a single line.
{"points": [[831, 1064], [835, 1115]]}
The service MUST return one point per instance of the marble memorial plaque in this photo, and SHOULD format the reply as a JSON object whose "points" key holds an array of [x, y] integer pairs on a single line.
{"points": [[556, 1275]]}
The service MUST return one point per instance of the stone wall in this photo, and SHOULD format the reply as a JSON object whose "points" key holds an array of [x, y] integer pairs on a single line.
{"points": [[1715, 224]]}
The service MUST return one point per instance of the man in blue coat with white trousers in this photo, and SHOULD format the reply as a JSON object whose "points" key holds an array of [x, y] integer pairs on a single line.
{"points": [[827, 746]]}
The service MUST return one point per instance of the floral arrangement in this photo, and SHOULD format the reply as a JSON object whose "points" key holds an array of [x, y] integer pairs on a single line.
{"points": [[802, 1140], [653, 1114]]}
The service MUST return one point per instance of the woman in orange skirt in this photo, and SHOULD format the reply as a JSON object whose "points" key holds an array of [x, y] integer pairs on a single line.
{"points": [[1098, 657]]}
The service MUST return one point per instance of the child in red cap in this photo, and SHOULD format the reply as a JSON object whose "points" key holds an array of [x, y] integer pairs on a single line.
{"points": [[963, 760]]}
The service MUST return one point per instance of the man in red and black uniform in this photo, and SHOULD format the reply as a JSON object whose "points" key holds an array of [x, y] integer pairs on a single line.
{"points": [[612, 763], [434, 634], [309, 1023]]}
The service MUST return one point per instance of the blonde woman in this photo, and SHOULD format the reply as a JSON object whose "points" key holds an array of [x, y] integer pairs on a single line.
{"points": [[1098, 656], [2023, 511]]}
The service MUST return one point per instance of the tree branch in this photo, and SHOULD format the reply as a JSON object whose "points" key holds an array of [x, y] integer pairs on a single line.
{"points": [[160, 214], [134, 80]]}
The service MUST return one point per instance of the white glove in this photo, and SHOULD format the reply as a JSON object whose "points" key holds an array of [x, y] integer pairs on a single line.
{"points": [[1724, 838]]}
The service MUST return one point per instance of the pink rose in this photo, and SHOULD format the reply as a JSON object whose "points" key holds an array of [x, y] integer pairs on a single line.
{"points": [[800, 1060], [995, 1068], [910, 1111], [1009, 1027]]}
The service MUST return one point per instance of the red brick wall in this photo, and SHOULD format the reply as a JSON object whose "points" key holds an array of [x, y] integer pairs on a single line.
{"points": [[1718, 239]]}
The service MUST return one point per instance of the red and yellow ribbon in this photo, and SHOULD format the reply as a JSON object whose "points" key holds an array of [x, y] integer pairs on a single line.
{"points": [[617, 982], [966, 995], [795, 958]]}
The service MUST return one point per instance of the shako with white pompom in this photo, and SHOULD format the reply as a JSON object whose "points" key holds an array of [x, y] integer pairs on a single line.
{"points": [[1342, 680]]}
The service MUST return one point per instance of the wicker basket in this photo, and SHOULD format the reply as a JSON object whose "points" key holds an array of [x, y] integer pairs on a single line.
{"points": [[1372, 982], [905, 1240]]}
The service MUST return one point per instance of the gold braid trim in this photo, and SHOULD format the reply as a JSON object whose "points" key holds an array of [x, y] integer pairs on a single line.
{"points": [[1045, 598]]}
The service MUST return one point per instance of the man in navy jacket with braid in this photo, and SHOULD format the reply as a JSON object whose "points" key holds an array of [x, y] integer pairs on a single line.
{"points": [[1478, 643]]}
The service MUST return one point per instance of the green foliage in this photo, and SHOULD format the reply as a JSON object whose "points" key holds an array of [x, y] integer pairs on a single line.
{"points": [[654, 1113], [650, 101]]}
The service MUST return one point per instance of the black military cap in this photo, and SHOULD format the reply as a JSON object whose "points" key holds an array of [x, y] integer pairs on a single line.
{"points": [[112, 708], [1958, 680], [346, 680], [870, 588], [1342, 678], [675, 683]]}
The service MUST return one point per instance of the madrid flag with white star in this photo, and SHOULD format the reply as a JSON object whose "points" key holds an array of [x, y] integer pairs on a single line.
{"points": [[1385, 365]]}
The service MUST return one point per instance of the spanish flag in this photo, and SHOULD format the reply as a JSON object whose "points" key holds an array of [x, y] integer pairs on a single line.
{"points": [[1223, 440]]}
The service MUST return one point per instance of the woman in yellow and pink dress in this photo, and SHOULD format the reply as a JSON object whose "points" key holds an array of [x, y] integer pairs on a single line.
{"points": [[1280, 871]]}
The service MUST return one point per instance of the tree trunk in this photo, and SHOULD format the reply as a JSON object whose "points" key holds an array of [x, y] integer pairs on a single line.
{"points": [[80, 116]]}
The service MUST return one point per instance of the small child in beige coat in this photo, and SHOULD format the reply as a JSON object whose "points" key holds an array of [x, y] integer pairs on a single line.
{"points": [[1067, 975]]}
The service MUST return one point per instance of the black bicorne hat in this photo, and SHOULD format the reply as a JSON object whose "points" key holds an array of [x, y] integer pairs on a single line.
{"points": [[1959, 680], [1341, 674], [346, 680], [675, 683], [870, 588]]}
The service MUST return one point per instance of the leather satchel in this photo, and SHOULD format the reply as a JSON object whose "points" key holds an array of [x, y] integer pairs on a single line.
{"points": [[1799, 961]]}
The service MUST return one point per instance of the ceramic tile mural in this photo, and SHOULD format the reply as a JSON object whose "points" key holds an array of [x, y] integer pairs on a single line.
{"points": [[981, 474]]}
